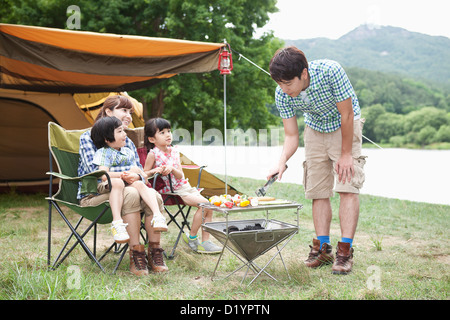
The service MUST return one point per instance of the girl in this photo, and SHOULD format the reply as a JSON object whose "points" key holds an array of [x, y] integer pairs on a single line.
{"points": [[164, 159]]}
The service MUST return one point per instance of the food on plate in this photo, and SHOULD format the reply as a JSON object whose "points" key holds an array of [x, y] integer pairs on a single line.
{"points": [[266, 198], [226, 200]]}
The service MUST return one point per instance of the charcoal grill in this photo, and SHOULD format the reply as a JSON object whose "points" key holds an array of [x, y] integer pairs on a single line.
{"points": [[250, 239]]}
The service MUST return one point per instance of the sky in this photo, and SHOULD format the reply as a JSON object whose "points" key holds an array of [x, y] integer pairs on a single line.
{"points": [[305, 19]]}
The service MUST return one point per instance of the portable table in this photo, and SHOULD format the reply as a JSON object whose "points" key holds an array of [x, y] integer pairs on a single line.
{"points": [[250, 239]]}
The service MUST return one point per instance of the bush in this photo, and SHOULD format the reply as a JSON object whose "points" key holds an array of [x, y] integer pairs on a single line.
{"points": [[426, 135], [443, 134]]}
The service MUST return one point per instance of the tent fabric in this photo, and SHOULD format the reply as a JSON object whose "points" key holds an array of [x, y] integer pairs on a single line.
{"points": [[63, 76], [25, 115], [56, 60], [91, 103]]}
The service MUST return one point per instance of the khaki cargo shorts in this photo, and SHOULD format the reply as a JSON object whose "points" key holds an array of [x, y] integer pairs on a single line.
{"points": [[322, 151], [132, 201]]}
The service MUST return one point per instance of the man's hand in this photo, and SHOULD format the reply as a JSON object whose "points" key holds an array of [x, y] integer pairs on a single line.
{"points": [[279, 169], [344, 168], [344, 165]]}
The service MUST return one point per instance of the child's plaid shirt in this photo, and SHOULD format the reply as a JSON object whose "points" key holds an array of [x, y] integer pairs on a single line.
{"points": [[87, 152]]}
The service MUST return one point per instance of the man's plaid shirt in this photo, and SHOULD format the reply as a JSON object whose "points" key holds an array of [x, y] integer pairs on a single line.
{"points": [[87, 152], [329, 84]]}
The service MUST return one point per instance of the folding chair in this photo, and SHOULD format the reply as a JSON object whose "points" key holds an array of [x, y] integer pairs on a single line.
{"points": [[177, 207], [64, 149], [171, 199]]}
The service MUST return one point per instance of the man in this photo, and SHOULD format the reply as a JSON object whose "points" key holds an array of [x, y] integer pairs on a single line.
{"points": [[332, 137]]}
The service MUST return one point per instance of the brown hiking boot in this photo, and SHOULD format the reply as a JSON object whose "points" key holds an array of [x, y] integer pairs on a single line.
{"points": [[138, 260], [344, 259], [319, 257], [156, 260]]}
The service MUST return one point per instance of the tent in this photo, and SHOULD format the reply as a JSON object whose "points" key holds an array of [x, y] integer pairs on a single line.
{"points": [[24, 156], [49, 74]]}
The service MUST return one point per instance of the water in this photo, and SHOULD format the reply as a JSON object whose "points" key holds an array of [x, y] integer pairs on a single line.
{"points": [[415, 175]]}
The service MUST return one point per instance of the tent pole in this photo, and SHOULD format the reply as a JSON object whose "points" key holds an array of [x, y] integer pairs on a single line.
{"points": [[225, 127]]}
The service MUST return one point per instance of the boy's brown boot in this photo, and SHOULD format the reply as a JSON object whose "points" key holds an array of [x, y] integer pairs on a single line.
{"points": [[344, 259], [156, 260], [319, 256], [138, 260]]}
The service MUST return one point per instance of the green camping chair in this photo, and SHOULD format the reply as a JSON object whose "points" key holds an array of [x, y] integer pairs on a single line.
{"points": [[64, 149]]}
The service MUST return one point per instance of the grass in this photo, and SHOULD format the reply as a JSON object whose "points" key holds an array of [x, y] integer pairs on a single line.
{"points": [[401, 252]]}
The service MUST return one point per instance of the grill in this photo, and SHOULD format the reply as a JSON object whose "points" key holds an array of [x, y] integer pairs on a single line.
{"points": [[250, 239]]}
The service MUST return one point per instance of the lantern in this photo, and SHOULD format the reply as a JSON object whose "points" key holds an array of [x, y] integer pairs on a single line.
{"points": [[225, 60]]}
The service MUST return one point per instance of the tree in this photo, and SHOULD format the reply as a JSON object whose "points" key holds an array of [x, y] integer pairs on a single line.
{"points": [[428, 116], [371, 115], [185, 98], [426, 135], [443, 134], [388, 125]]}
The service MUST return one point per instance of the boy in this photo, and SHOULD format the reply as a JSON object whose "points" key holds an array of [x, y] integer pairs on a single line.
{"points": [[323, 92]]}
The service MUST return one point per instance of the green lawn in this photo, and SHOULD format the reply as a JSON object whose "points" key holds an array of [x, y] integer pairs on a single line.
{"points": [[401, 252]]}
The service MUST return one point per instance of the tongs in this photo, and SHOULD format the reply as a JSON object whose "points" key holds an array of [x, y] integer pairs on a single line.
{"points": [[261, 192]]}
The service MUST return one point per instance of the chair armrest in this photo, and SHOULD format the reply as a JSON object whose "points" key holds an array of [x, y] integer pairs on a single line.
{"points": [[195, 167], [97, 174], [88, 181], [156, 176]]}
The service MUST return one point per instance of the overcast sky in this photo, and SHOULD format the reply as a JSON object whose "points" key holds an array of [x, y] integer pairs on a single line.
{"points": [[304, 19]]}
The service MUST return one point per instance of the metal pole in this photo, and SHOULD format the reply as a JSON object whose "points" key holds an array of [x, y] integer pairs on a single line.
{"points": [[225, 127]]}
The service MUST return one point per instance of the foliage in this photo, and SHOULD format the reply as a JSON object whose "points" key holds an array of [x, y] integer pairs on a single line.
{"points": [[400, 110], [188, 97]]}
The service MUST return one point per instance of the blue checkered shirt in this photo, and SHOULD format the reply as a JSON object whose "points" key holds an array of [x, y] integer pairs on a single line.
{"points": [[87, 151], [328, 85], [116, 160]]}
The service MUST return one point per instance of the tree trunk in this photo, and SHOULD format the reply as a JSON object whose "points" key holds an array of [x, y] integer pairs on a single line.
{"points": [[158, 105]]}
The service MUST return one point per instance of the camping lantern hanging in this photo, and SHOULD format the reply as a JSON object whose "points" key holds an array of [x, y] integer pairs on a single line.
{"points": [[225, 60]]}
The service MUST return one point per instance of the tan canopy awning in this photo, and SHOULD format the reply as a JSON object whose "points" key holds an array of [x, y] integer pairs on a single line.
{"points": [[56, 60]]}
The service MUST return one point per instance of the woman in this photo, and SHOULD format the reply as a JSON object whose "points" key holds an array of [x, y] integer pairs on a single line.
{"points": [[131, 203]]}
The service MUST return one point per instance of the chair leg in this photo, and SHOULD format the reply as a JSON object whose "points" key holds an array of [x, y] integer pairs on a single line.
{"points": [[124, 250], [65, 245], [184, 223], [49, 235], [78, 237]]}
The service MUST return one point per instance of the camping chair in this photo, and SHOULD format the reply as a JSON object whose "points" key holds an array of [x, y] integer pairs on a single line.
{"points": [[173, 200], [173, 204], [64, 149]]}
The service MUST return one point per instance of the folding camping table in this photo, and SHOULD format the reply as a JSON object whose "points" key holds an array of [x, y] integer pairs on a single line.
{"points": [[250, 239]]}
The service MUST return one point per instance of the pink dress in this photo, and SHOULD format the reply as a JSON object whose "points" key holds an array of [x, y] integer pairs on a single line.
{"points": [[171, 158]]}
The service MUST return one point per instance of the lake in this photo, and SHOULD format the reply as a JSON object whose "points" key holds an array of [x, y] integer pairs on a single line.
{"points": [[415, 175]]}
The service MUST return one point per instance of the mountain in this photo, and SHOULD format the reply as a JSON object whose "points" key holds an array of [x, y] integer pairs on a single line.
{"points": [[386, 49]]}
